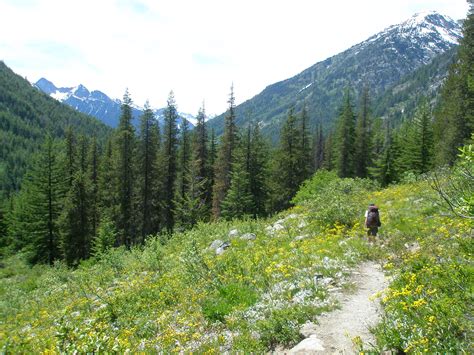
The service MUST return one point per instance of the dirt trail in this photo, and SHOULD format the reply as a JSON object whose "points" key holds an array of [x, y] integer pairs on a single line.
{"points": [[335, 331]]}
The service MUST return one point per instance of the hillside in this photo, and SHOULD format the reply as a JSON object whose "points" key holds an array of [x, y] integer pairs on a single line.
{"points": [[379, 62], [26, 116], [250, 285]]}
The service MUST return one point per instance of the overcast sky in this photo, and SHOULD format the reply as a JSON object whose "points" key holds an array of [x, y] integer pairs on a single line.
{"points": [[196, 48]]}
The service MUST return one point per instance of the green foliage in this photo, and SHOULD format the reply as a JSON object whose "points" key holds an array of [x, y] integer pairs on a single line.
{"points": [[226, 299], [27, 116], [335, 201], [123, 160], [345, 139], [225, 158], [169, 162], [106, 237]]}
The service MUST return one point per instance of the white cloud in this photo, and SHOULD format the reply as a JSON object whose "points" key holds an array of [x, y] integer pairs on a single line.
{"points": [[196, 48]]}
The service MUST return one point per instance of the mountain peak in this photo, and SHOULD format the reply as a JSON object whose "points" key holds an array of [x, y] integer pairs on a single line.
{"points": [[46, 86]]}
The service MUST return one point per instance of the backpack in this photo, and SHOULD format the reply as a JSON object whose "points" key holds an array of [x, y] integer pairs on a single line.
{"points": [[373, 219]]}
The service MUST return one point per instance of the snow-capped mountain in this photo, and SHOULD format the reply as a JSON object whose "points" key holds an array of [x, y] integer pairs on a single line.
{"points": [[379, 63], [96, 103]]}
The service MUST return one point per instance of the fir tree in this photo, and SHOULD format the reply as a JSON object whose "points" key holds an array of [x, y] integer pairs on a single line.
{"points": [[169, 161], [286, 173], [147, 174], [417, 136], [345, 139], [305, 161], [44, 194], [454, 120], [258, 171], [318, 148], [211, 164], [184, 155], [94, 163], [125, 176], [201, 156], [70, 156], [223, 166], [75, 220], [238, 202], [107, 183], [386, 167], [363, 143], [328, 162]]}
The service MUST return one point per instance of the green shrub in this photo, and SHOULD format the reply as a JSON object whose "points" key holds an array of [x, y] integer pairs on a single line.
{"points": [[228, 298]]}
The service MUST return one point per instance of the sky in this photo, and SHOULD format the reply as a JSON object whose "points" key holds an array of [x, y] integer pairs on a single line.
{"points": [[197, 48]]}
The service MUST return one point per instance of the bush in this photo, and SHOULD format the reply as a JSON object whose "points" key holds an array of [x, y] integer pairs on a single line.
{"points": [[228, 298], [333, 200]]}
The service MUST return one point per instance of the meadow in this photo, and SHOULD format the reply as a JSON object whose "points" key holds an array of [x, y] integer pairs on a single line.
{"points": [[250, 285]]}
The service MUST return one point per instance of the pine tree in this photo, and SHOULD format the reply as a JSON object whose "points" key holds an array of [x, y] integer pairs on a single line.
{"points": [[386, 165], [328, 162], [146, 172], [169, 158], [258, 172], [454, 120], [223, 166], [70, 155], [318, 148], [345, 139], [363, 142], [201, 155], [125, 175], [286, 173], [305, 161], [211, 165], [107, 183], [238, 202], [44, 194], [75, 220], [184, 155], [417, 148], [93, 164]]}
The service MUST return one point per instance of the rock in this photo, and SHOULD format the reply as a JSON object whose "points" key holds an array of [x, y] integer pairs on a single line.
{"points": [[311, 345], [280, 221], [216, 244], [300, 237], [302, 224], [278, 226], [233, 233], [248, 236], [308, 329], [220, 250], [291, 216]]}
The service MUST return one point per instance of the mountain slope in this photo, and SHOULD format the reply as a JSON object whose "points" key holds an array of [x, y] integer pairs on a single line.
{"points": [[379, 62], [97, 104], [26, 116]]}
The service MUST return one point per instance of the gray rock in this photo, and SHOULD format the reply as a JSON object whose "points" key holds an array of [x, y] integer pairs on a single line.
{"points": [[311, 345], [233, 233], [248, 236], [216, 244], [220, 250], [301, 237], [308, 329]]}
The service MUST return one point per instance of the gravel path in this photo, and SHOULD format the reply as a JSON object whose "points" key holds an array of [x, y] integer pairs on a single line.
{"points": [[335, 331]]}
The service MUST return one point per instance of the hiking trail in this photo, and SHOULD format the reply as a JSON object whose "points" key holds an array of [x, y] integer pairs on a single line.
{"points": [[358, 312]]}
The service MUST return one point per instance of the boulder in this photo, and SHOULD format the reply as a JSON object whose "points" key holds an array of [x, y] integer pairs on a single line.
{"points": [[248, 236], [220, 250], [311, 345], [216, 244], [233, 233]]}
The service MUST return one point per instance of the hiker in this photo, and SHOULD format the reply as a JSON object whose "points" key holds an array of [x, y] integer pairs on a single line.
{"points": [[372, 221]]}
